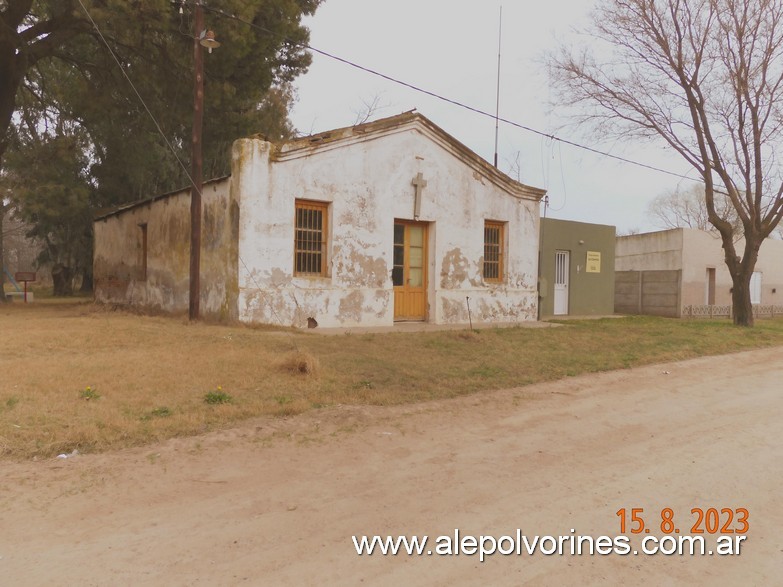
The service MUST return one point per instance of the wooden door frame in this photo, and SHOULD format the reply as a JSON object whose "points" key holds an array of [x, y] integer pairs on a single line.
{"points": [[406, 267]]}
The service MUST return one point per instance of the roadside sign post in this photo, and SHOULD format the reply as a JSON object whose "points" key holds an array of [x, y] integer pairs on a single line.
{"points": [[25, 276]]}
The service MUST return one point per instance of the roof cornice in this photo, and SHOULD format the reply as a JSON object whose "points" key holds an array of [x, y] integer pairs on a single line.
{"points": [[342, 137], [103, 214]]}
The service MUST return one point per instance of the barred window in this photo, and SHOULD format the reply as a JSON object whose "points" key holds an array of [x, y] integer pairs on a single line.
{"points": [[493, 251], [310, 238]]}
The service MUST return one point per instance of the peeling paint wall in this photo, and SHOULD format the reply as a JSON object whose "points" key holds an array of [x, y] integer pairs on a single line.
{"points": [[118, 263], [364, 176], [459, 249], [356, 288], [367, 185]]}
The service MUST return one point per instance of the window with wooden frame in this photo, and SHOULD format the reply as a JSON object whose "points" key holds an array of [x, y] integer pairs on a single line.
{"points": [[493, 251], [310, 232]]}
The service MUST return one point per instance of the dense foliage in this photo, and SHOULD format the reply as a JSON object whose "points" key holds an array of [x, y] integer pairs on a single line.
{"points": [[74, 135]]}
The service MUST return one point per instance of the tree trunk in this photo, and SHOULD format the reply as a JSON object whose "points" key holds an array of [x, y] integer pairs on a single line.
{"points": [[742, 309], [62, 279], [2, 257], [86, 286], [740, 269], [86, 270]]}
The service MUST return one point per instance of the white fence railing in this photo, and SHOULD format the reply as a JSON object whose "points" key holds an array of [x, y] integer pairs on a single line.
{"points": [[712, 311]]}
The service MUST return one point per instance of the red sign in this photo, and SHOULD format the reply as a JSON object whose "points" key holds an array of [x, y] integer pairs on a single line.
{"points": [[24, 276]]}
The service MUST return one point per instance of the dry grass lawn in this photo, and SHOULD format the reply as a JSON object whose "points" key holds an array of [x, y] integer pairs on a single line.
{"points": [[80, 376]]}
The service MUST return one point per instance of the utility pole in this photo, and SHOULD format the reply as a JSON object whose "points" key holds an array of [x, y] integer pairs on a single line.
{"points": [[196, 164]]}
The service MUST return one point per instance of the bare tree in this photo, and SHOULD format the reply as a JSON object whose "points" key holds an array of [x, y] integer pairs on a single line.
{"points": [[368, 109], [515, 166], [687, 209], [629, 232], [706, 77]]}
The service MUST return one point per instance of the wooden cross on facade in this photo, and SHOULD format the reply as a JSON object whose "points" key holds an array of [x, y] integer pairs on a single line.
{"points": [[419, 183]]}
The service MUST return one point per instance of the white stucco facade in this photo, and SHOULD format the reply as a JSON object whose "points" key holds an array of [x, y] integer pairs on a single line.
{"points": [[364, 174], [372, 270]]}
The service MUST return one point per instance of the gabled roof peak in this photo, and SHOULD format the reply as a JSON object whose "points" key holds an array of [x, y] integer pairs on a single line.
{"points": [[308, 145]]}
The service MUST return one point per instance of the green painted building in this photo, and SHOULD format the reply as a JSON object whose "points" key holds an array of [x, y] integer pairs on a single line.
{"points": [[575, 269]]}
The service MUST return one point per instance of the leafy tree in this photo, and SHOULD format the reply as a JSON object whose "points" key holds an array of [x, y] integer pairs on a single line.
{"points": [[153, 42], [62, 86], [57, 203], [705, 76]]}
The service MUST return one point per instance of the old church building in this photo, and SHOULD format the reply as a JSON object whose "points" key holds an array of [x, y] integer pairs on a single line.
{"points": [[386, 221]]}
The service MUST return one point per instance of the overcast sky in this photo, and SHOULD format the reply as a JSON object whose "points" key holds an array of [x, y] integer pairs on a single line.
{"points": [[451, 48]]}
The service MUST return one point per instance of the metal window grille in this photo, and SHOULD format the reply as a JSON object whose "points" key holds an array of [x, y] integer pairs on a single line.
{"points": [[310, 238], [493, 251], [561, 268]]}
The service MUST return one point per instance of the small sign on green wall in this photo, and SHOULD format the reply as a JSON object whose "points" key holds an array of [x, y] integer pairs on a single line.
{"points": [[593, 264]]}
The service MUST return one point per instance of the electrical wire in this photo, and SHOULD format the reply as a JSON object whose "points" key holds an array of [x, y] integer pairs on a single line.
{"points": [[171, 148], [442, 98], [389, 78], [138, 95], [413, 87]]}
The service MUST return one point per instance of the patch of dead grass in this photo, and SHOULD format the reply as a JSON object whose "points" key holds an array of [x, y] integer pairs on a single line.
{"points": [[469, 335], [301, 363]]}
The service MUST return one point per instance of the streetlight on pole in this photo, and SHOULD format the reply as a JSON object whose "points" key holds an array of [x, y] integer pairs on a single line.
{"points": [[202, 38]]}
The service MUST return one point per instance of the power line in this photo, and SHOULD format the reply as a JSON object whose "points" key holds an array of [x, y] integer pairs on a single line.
{"points": [[413, 87], [168, 143], [451, 100], [138, 95]]}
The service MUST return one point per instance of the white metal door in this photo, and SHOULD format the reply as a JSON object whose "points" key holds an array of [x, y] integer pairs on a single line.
{"points": [[755, 287], [710, 289], [561, 282]]}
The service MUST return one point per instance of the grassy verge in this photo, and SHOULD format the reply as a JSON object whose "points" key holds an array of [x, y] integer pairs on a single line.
{"points": [[77, 376]]}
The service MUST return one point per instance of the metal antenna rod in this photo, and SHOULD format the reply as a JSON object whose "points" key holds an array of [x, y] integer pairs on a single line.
{"points": [[497, 105]]}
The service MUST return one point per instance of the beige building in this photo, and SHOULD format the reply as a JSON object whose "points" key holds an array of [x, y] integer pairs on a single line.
{"points": [[363, 226], [681, 271]]}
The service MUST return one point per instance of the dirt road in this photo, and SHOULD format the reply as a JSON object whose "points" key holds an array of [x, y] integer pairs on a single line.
{"points": [[277, 501]]}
